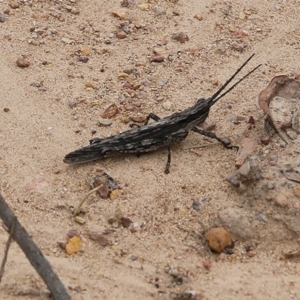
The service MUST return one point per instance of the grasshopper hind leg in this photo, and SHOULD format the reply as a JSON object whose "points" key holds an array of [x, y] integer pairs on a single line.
{"points": [[226, 143]]}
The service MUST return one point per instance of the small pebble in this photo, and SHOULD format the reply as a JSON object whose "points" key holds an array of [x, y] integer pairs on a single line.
{"points": [[75, 11], [196, 205], [14, 4], [124, 3], [143, 6], [105, 122], [159, 11], [234, 178], [218, 239], [6, 109], [297, 191], [199, 17], [121, 35], [281, 200], [167, 105], [265, 140], [2, 17], [163, 81], [251, 253], [79, 220], [120, 13], [23, 62], [180, 37], [157, 58]]}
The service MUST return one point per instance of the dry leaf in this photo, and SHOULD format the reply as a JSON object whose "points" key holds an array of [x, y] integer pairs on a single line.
{"points": [[280, 101]]}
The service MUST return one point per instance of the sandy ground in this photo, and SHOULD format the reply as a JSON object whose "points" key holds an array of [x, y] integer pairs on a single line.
{"points": [[55, 106]]}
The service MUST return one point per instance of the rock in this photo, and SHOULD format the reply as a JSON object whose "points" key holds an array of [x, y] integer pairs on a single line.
{"points": [[120, 13], [157, 58], [297, 191], [199, 17], [75, 11], [138, 119], [250, 169], [23, 62], [237, 222], [105, 122], [121, 35], [251, 253], [167, 105], [218, 239], [247, 147], [281, 200], [207, 263], [14, 4], [100, 238], [110, 111], [234, 178], [265, 140], [163, 81], [180, 37], [89, 85], [143, 6], [196, 205], [79, 220], [67, 40], [126, 222], [2, 17], [114, 194], [124, 3], [292, 223], [159, 11]]}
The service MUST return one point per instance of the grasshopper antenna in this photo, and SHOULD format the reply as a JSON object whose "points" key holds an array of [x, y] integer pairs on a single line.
{"points": [[232, 87], [214, 98]]}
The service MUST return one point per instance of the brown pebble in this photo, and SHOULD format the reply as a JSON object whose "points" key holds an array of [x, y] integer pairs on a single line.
{"points": [[265, 140], [99, 238], [218, 239], [2, 17], [281, 200], [251, 253], [79, 220], [207, 263], [297, 191], [126, 222], [14, 4], [105, 122], [121, 35], [124, 3], [180, 37], [285, 125], [199, 17], [110, 111], [23, 62], [138, 119], [6, 109], [157, 58]]}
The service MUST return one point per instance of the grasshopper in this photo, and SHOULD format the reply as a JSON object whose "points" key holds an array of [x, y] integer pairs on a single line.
{"points": [[162, 132]]}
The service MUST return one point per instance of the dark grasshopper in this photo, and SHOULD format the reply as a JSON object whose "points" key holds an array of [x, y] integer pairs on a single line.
{"points": [[162, 132]]}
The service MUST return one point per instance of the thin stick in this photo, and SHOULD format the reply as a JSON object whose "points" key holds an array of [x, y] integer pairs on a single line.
{"points": [[11, 233], [77, 210], [33, 253]]}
